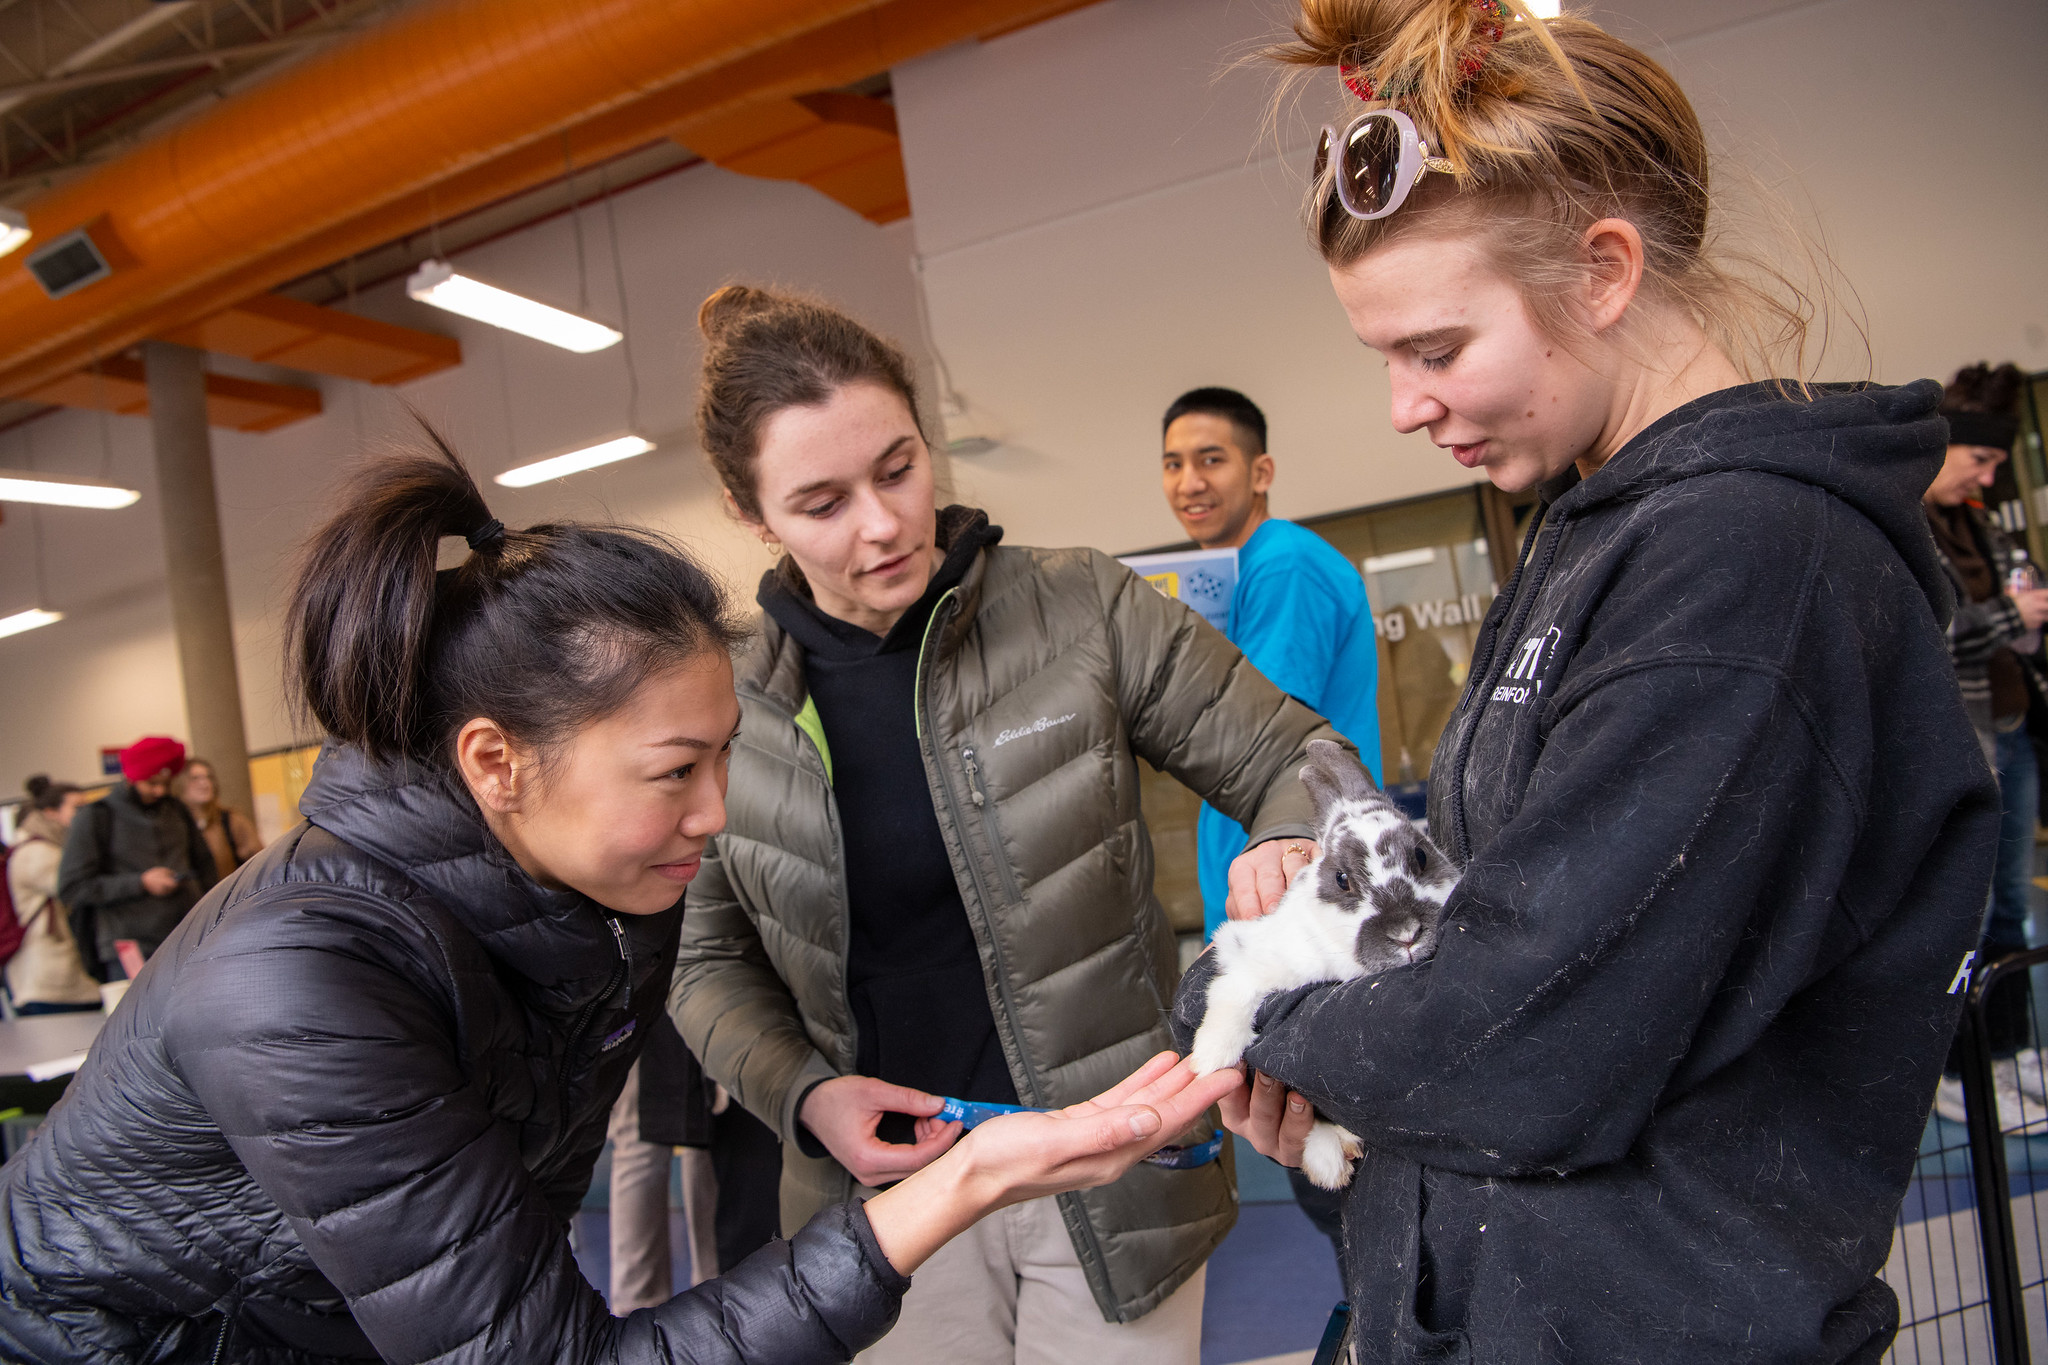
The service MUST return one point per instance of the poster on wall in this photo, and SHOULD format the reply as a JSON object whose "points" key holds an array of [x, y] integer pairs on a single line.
{"points": [[1204, 579]]}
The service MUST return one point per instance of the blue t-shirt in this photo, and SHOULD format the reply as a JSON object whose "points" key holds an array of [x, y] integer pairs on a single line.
{"points": [[1301, 617]]}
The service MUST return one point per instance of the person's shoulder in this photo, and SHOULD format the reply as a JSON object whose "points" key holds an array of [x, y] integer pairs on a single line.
{"points": [[33, 860], [1286, 554]]}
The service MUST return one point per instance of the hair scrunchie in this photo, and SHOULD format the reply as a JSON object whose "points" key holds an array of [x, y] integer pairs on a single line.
{"points": [[1488, 29], [490, 533]]}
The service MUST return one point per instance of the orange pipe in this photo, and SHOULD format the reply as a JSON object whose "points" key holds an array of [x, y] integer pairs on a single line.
{"points": [[442, 109]]}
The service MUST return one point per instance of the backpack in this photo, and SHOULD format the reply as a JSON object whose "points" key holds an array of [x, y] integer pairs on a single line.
{"points": [[12, 930]]}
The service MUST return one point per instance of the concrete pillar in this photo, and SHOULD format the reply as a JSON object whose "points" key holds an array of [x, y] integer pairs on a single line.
{"points": [[198, 566]]}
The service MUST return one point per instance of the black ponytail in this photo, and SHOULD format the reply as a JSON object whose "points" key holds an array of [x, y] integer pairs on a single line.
{"points": [[542, 630]]}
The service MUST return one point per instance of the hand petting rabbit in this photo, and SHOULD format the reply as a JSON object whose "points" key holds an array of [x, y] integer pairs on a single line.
{"points": [[1372, 900]]}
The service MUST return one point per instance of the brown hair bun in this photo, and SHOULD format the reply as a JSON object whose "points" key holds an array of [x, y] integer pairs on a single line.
{"points": [[727, 308]]}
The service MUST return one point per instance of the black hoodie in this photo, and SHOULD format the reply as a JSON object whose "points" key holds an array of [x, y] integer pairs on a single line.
{"points": [[1726, 836]]}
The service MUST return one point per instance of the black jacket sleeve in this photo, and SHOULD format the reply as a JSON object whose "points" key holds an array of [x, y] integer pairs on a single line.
{"points": [[1681, 814], [338, 1085]]}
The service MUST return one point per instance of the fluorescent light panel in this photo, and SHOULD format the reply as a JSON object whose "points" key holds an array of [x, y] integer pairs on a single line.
{"points": [[437, 283], [27, 620], [13, 229], [22, 485], [589, 457]]}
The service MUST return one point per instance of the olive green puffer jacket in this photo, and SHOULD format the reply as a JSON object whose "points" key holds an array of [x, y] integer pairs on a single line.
{"points": [[1041, 678]]}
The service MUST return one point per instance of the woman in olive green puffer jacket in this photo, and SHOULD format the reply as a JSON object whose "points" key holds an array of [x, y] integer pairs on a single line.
{"points": [[1034, 680]]}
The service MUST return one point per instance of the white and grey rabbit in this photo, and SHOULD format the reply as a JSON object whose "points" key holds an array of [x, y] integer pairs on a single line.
{"points": [[1372, 900]]}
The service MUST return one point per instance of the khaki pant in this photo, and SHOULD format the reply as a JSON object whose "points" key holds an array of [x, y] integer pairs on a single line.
{"points": [[1010, 1289], [641, 1271]]}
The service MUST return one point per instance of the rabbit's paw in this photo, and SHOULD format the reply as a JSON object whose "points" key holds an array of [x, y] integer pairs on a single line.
{"points": [[1327, 1154], [1221, 1040]]}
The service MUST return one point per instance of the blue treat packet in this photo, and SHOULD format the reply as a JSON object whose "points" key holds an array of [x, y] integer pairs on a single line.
{"points": [[974, 1112]]}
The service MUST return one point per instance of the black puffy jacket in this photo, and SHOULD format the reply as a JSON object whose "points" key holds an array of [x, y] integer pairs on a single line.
{"points": [[347, 1110]]}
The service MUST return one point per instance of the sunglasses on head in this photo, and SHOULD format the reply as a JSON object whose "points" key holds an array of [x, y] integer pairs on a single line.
{"points": [[1380, 159]]}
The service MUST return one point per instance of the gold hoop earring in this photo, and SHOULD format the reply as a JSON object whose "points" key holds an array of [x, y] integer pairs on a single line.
{"points": [[774, 548]]}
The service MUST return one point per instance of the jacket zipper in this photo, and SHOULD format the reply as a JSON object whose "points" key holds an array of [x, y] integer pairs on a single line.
{"points": [[583, 1018], [982, 899], [984, 803]]}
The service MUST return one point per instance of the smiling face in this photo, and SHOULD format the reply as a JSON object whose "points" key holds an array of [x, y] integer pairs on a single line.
{"points": [[199, 788], [846, 487], [1468, 364], [622, 811], [1215, 485]]}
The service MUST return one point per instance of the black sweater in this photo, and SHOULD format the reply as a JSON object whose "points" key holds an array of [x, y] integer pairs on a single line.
{"points": [[913, 971], [1726, 836]]}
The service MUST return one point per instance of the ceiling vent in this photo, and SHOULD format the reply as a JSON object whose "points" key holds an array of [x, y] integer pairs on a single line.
{"points": [[81, 257]]}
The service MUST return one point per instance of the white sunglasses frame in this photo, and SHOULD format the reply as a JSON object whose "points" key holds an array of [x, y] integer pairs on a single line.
{"points": [[1414, 161]]}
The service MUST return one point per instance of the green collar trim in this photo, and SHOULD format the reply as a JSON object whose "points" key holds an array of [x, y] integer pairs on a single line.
{"points": [[917, 695], [808, 721]]}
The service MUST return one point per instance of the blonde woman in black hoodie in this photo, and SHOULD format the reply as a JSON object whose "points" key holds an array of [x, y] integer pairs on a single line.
{"points": [[1724, 828]]}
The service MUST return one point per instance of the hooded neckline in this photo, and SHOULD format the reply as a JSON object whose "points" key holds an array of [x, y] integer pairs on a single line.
{"points": [[1875, 447], [962, 533], [424, 824]]}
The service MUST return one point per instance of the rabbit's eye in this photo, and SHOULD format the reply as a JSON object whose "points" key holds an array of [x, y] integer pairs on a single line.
{"points": [[1421, 858], [1343, 880]]}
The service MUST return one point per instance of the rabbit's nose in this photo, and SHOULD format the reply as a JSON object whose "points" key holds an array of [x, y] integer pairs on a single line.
{"points": [[1404, 931]]}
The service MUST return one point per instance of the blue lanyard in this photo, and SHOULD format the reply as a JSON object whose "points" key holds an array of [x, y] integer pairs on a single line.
{"points": [[973, 1112]]}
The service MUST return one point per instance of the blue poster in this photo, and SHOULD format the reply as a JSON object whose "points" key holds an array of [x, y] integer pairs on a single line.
{"points": [[1204, 579]]}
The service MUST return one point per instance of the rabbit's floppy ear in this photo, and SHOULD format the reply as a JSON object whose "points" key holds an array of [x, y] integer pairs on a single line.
{"points": [[1332, 775]]}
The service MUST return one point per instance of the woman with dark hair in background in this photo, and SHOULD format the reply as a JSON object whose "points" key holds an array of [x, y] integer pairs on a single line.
{"points": [[1724, 827], [347, 1111], [228, 833], [1995, 640], [45, 975], [936, 880]]}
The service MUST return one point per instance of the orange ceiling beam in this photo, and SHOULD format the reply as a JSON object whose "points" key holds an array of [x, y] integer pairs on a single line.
{"points": [[844, 146], [447, 107], [121, 385], [304, 336]]}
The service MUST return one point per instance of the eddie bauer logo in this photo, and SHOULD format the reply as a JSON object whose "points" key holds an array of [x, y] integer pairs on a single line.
{"points": [[1523, 679], [1036, 727]]}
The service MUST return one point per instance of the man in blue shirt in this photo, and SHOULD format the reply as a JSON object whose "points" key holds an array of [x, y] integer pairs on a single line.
{"points": [[1299, 612]]}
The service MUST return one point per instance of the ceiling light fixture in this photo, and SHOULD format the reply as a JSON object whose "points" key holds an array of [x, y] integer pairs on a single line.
{"points": [[28, 620], [14, 229], [438, 283], [575, 461], [70, 490]]}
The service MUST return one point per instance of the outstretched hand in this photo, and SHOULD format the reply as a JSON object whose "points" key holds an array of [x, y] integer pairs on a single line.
{"points": [[1017, 1157]]}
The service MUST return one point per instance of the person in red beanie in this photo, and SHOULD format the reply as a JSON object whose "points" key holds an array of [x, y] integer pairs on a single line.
{"points": [[135, 860]]}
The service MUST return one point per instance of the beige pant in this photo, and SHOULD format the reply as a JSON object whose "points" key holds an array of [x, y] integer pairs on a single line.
{"points": [[1010, 1289], [639, 1208]]}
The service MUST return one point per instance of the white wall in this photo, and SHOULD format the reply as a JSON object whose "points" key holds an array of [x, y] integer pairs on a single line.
{"points": [[108, 672], [1102, 222]]}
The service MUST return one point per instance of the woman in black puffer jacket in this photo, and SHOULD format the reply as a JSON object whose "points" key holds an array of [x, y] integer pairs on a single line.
{"points": [[348, 1108]]}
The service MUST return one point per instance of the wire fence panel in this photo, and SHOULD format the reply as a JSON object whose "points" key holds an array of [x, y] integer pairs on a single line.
{"points": [[1969, 1258]]}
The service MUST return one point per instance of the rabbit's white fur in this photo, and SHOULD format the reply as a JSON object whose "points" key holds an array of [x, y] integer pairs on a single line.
{"points": [[1373, 899]]}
